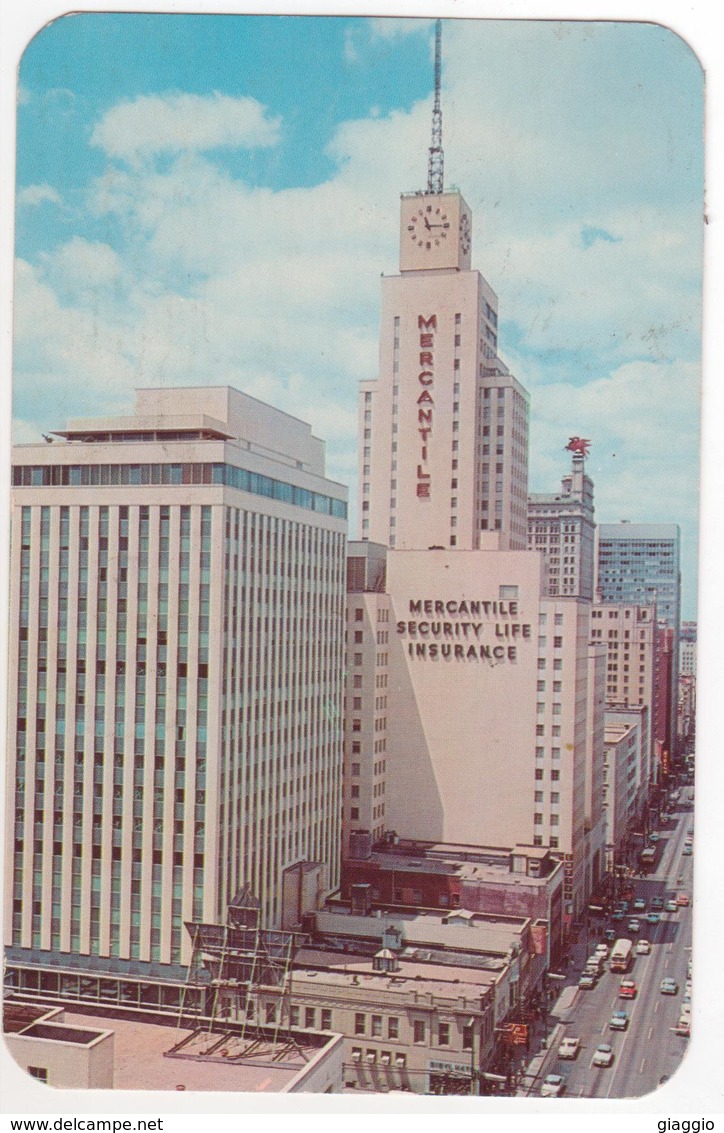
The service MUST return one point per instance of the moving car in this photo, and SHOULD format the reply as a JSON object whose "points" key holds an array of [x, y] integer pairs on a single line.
{"points": [[672, 907], [657, 902], [643, 947], [669, 986], [618, 1021], [627, 989], [602, 950], [683, 1027], [553, 1086], [634, 925], [603, 1055], [682, 900], [569, 1048], [653, 918], [639, 905], [653, 836], [610, 935], [688, 850]]}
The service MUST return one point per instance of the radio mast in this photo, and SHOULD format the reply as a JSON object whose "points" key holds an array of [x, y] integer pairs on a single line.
{"points": [[436, 159]]}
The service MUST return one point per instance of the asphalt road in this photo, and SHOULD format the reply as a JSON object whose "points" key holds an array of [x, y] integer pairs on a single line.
{"points": [[648, 1051]]}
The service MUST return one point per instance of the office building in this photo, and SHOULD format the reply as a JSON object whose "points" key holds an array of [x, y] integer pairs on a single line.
{"points": [[469, 630], [176, 676], [561, 526], [444, 429], [639, 564], [366, 693]]}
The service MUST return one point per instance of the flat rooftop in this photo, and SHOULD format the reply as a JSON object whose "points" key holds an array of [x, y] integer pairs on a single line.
{"points": [[141, 1056], [342, 969], [445, 862]]}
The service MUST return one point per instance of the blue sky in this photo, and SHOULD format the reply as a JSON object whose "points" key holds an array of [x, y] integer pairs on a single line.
{"points": [[213, 198]]}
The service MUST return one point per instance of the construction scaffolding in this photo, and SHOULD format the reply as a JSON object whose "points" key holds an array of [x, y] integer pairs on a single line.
{"points": [[237, 962]]}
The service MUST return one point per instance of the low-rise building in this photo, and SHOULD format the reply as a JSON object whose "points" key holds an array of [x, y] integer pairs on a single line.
{"points": [[523, 881]]}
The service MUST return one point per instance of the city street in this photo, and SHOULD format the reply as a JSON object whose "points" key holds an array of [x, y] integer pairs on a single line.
{"points": [[648, 1051]]}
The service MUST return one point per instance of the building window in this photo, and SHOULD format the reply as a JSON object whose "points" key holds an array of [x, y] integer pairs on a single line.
{"points": [[359, 1024], [418, 1031], [393, 1027], [293, 1016], [39, 1072], [309, 1016], [271, 1012], [467, 1038], [376, 1027], [326, 1019], [443, 1034]]}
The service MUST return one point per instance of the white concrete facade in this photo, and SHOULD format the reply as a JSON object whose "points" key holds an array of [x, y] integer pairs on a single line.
{"points": [[629, 633], [444, 429], [176, 672], [462, 652]]}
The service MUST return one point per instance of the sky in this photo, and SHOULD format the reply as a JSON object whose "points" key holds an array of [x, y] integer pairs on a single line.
{"points": [[212, 200]]}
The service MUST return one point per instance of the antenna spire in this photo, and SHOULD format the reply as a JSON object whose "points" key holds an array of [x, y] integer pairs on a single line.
{"points": [[435, 160]]}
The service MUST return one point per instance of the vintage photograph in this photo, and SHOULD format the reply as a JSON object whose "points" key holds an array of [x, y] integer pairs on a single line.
{"points": [[352, 627]]}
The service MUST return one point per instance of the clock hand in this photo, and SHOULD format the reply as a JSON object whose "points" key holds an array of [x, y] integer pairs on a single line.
{"points": [[427, 223]]}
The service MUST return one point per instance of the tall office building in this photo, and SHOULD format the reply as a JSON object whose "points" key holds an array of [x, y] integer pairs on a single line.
{"points": [[561, 526], [638, 564], [367, 689], [176, 675], [485, 678], [444, 454]]}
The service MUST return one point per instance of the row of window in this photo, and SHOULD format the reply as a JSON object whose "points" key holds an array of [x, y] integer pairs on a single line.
{"points": [[227, 475]]}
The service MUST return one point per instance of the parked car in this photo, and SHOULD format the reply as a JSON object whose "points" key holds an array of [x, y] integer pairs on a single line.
{"points": [[687, 851], [683, 1027], [657, 902], [653, 837], [603, 1055], [669, 986], [643, 947], [587, 981], [653, 918], [618, 1021], [569, 1047], [627, 989], [634, 925], [682, 900], [639, 905], [602, 950], [553, 1086], [610, 935]]}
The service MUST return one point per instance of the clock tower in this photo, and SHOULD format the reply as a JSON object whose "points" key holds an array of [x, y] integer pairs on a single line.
{"points": [[435, 232]]}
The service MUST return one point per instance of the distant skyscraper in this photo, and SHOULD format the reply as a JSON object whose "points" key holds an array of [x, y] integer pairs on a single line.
{"points": [[176, 674], [639, 564], [561, 526]]}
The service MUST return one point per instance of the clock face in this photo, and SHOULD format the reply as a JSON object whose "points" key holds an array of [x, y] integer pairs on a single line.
{"points": [[428, 227], [465, 234]]}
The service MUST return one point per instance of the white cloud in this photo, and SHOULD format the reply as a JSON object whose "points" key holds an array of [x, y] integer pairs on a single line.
{"points": [[33, 195], [82, 265], [175, 123]]}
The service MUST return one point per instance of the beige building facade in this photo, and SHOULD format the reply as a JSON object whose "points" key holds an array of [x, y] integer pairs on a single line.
{"points": [[176, 673], [444, 428]]}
